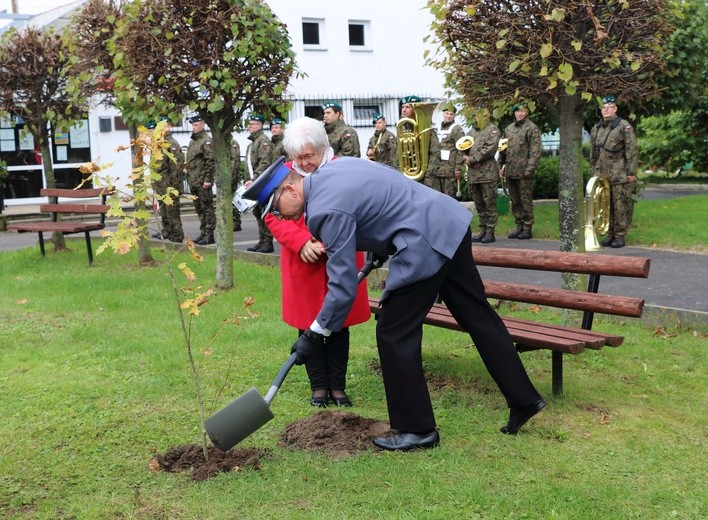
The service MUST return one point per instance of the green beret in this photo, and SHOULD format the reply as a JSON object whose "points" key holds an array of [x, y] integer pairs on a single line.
{"points": [[150, 125], [410, 99], [609, 99], [257, 117], [196, 118], [333, 105], [519, 106], [448, 107], [277, 121], [377, 116]]}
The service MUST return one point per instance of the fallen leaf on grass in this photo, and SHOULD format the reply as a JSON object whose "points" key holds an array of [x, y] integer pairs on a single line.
{"points": [[208, 352], [535, 309], [21, 302], [154, 465], [604, 419]]}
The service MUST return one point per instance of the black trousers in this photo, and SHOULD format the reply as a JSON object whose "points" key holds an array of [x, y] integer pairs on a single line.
{"points": [[399, 332], [327, 367]]}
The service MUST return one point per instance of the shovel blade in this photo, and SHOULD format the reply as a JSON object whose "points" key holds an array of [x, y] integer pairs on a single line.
{"points": [[229, 426]]}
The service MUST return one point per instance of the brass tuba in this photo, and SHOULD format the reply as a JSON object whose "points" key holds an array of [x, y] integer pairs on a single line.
{"points": [[414, 140], [597, 212]]}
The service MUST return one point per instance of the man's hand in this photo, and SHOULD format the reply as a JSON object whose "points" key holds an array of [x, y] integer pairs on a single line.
{"points": [[311, 252], [306, 345], [206, 185]]}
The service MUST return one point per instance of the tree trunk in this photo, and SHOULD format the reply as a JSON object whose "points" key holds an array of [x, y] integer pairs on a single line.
{"points": [[570, 179], [48, 167], [224, 210], [144, 254]]}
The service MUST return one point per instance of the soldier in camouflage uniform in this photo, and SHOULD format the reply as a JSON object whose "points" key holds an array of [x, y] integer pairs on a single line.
{"points": [[277, 127], [408, 111], [518, 162], [446, 178], [172, 176], [235, 178], [342, 138], [200, 175], [483, 173], [259, 156], [613, 155], [382, 145]]}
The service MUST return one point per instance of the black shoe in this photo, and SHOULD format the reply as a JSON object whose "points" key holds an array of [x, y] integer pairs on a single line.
{"points": [[237, 227], [341, 401], [256, 247], [318, 402], [488, 237], [524, 235], [515, 233], [209, 239], [160, 236], [617, 242], [176, 240], [607, 241], [403, 441], [520, 416], [199, 238], [266, 247], [478, 238]]}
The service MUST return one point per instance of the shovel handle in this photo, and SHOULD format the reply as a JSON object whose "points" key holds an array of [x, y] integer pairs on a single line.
{"points": [[280, 377]]}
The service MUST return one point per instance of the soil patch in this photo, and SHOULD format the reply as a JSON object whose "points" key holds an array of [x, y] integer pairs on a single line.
{"points": [[191, 456], [335, 433]]}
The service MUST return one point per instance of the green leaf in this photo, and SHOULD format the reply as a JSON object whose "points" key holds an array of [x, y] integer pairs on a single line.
{"points": [[577, 45], [500, 43], [556, 15], [565, 72], [514, 65], [586, 96], [544, 70], [635, 65], [546, 50]]}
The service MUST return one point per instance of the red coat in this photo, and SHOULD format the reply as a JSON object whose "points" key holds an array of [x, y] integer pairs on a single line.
{"points": [[305, 285]]}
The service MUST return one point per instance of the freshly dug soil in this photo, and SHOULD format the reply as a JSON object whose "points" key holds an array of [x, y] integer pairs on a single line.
{"points": [[191, 456], [335, 433]]}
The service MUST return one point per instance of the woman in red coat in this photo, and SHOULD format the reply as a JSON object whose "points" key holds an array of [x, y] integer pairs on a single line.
{"points": [[304, 287]]}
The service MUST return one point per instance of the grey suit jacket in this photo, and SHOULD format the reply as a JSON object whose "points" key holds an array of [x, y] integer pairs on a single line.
{"points": [[359, 205]]}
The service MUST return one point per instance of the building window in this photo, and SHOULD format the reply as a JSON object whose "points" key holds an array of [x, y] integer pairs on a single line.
{"points": [[359, 35], [313, 111], [313, 34]]}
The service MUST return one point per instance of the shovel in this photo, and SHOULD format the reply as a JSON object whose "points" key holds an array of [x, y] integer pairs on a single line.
{"points": [[229, 426]]}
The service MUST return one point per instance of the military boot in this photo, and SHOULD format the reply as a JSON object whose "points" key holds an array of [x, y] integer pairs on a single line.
{"points": [[617, 242], [267, 246], [516, 232], [482, 232], [257, 246], [488, 237], [199, 238], [208, 239], [607, 241], [525, 233]]}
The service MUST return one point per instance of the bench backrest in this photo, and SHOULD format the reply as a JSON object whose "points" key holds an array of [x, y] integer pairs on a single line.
{"points": [[71, 207]]}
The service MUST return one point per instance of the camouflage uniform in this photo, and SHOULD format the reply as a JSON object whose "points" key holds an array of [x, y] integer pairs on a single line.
{"points": [[385, 148], [613, 155], [450, 160], [520, 160], [343, 139], [278, 149], [172, 173], [433, 148], [201, 169], [235, 178], [483, 176], [259, 156]]}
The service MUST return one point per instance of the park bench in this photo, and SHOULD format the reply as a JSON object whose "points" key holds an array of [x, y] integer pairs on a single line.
{"points": [[560, 340], [67, 227]]}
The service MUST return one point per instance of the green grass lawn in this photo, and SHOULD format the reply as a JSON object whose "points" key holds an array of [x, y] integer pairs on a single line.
{"points": [[94, 381], [678, 223]]}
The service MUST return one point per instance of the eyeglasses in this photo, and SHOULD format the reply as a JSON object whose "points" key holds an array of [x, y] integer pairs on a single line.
{"points": [[274, 208], [306, 158]]}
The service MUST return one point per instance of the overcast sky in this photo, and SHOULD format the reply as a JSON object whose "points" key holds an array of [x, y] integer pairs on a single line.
{"points": [[32, 6]]}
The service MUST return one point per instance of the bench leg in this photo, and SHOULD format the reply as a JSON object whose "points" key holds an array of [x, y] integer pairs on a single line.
{"points": [[88, 247], [41, 242], [557, 373]]}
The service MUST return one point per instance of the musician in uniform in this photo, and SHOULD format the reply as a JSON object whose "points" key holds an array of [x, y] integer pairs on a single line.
{"points": [[200, 175], [383, 144], [613, 155], [447, 176], [342, 138], [483, 173], [172, 176], [408, 112], [354, 204], [259, 155], [518, 162]]}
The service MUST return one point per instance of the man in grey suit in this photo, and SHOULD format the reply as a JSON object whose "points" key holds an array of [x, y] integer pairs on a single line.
{"points": [[358, 205]]}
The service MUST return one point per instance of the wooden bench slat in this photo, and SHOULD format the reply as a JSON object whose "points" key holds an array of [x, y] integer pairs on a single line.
{"points": [[566, 299], [80, 193], [588, 263], [610, 340], [74, 208], [58, 227]]}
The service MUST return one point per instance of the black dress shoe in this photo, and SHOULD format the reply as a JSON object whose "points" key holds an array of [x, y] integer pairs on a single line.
{"points": [[341, 401], [617, 242], [255, 248], [403, 441], [318, 402], [607, 241], [520, 416], [267, 247]]}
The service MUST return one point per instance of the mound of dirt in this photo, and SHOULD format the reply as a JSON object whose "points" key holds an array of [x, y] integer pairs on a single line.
{"points": [[338, 434], [191, 456]]}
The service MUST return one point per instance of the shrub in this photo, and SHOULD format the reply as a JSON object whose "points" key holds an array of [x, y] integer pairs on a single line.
{"points": [[545, 178]]}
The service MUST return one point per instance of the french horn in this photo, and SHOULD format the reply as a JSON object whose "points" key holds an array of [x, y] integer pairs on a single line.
{"points": [[597, 212]]}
